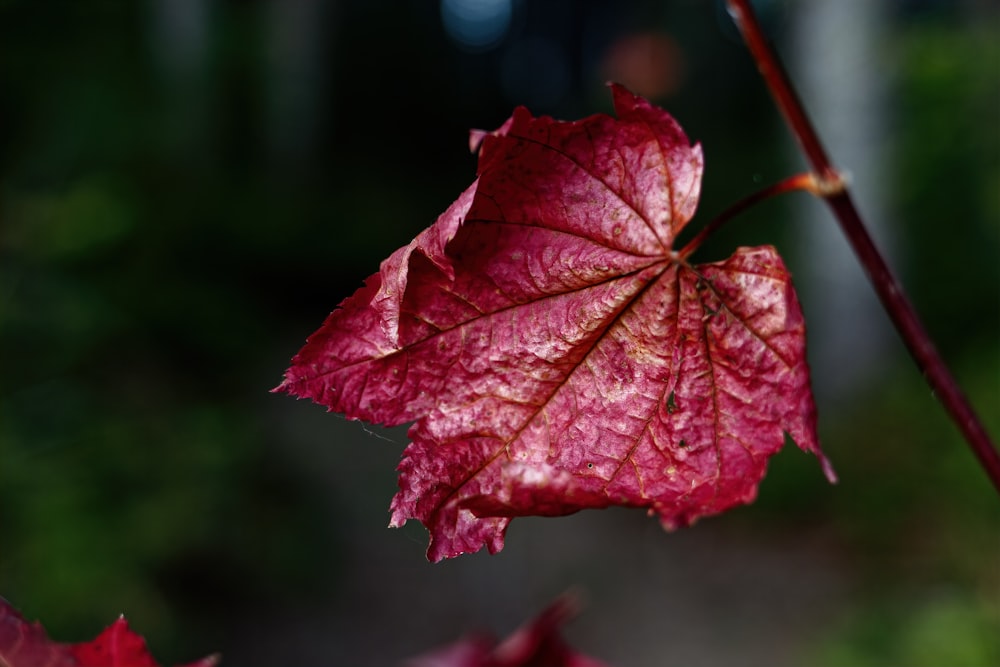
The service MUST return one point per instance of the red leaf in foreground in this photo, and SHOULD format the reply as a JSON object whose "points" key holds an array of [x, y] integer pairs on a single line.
{"points": [[536, 644], [24, 644], [556, 354]]}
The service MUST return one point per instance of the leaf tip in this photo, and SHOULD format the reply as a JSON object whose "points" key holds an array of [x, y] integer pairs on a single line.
{"points": [[828, 471], [625, 100], [477, 137], [281, 388], [208, 661]]}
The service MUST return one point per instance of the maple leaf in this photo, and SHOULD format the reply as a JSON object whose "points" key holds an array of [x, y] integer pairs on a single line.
{"points": [[537, 643], [555, 353], [24, 644]]}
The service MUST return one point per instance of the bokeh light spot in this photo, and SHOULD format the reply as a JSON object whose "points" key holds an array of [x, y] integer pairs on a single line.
{"points": [[476, 25]]}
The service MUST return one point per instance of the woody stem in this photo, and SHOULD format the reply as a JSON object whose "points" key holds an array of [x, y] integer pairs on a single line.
{"points": [[889, 291]]}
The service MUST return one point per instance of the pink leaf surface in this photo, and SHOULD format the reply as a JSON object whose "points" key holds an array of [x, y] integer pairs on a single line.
{"points": [[554, 352]]}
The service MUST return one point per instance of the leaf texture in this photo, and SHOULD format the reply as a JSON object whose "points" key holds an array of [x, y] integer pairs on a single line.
{"points": [[553, 350]]}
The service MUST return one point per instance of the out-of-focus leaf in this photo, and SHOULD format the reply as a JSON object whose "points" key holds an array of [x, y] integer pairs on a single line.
{"points": [[536, 644], [24, 644]]}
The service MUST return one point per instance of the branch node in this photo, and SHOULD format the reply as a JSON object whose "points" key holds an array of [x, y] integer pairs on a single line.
{"points": [[831, 182]]}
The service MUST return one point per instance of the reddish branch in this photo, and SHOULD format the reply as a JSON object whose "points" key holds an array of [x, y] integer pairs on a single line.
{"points": [[886, 286]]}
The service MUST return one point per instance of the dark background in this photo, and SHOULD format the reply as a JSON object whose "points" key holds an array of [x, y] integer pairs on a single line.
{"points": [[188, 187]]}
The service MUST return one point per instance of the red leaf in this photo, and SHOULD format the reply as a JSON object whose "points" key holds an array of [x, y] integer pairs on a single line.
{"points": [[119, 646], [556, 354], [536, 644], [116, 646], [24, 644]]}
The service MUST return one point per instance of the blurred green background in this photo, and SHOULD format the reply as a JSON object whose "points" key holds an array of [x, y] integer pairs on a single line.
{"points": [[187, 188]]}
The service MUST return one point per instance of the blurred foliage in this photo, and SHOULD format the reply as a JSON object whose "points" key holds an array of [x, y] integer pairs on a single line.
{"points": [[944, 629], [160, 259], [916, 521], [948, 174], [138, 330]]}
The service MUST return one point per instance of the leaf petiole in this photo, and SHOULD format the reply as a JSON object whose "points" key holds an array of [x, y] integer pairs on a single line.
{"points": [[809, 182]]}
